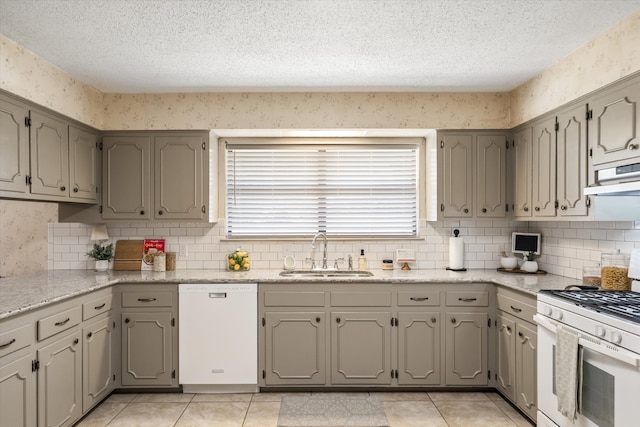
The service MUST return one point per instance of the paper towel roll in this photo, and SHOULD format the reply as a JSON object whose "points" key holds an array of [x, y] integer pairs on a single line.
{"points": [[456, 253]]}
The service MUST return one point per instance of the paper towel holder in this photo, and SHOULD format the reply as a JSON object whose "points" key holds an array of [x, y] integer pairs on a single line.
{"points": [[456, 234]]}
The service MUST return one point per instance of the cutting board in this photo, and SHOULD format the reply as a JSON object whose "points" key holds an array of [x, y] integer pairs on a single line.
{"points": [[128, 255]]}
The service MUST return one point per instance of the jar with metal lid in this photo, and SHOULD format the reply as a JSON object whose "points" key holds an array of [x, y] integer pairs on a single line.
{"points": [[615, 271], [387, 264], [591, 275]]}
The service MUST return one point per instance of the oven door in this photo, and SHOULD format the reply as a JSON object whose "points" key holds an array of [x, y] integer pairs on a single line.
{"points": [[610, 383]]}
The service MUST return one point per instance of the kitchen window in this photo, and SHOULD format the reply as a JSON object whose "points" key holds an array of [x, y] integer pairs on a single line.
{"points": [[344, 187]]}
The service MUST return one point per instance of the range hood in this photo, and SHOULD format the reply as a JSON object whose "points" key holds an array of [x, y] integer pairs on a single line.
{"points": [[618, 181]]}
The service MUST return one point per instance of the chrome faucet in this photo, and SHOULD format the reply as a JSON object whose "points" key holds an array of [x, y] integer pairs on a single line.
{"points": [[324, 253]]}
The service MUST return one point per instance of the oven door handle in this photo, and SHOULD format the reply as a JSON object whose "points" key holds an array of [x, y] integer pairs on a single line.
{"points": [[592, 343]]}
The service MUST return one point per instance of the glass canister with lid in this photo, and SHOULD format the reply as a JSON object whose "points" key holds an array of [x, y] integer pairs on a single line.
{"points": [[615, 271]]}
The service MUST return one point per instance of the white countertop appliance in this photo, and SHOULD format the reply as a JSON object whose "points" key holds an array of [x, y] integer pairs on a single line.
{"points": [[218, 337], [607, 371]]}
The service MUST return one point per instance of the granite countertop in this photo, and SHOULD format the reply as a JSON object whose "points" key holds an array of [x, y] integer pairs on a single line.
{"points": [[23, 293]]}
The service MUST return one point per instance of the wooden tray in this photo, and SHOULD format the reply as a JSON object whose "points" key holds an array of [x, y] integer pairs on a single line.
{"points": [[128, 255], [517, 270]]}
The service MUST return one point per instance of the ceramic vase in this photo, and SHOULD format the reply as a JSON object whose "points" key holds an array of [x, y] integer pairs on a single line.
{"points": [[529, 266], [102, 264]]}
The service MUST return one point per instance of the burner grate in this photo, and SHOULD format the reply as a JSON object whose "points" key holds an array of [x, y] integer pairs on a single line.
{"points": [[623, 304]]}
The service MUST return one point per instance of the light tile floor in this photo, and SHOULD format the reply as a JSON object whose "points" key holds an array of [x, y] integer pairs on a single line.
{"points": [[446, 409]]}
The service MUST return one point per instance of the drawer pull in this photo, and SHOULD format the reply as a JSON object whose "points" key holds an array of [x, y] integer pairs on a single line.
{"points": [[63, 322], [100, 306], [516, 309], [467, 299], [7, 344], [419, 298], [146, 299]]}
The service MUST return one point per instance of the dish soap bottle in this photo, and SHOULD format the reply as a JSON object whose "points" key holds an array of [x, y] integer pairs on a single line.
{"points": [[362, 261]]}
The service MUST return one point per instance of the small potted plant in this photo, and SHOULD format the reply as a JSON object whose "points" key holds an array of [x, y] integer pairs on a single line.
{"points": [[530, 265], [103, 254]]}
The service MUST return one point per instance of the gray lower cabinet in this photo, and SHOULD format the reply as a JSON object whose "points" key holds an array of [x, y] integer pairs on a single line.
{"points": [[419, 347], [466, 336], [516, 352], [296, 349], [149, 340], [98, 365], [18, 396], [147, 349], [361, 348], [60, 381]]}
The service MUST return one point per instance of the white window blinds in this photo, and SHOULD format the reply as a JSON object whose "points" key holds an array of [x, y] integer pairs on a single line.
{"points": [[342, 187]]}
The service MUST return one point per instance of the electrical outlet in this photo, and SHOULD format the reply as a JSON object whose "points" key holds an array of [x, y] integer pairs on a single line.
{"points": [[184, 250]]}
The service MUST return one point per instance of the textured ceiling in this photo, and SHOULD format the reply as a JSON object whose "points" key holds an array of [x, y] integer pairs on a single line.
{"points": [[306, 45]]}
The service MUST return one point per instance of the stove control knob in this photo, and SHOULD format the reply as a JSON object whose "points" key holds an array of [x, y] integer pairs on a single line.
{"points": [[557, 315], [600, 331], [616, 337], [546, 310]]}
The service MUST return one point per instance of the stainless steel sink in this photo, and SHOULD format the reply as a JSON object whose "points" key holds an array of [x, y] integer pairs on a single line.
{"points": [[325, 273]]}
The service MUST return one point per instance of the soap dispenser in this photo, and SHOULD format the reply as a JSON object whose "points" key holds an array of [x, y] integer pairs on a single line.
{"points": [[362, 261]]}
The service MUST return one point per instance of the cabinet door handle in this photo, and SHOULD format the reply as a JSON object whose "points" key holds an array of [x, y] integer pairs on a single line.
{"points": [[419, 298], [634, 146], [516, 309], [453, 320], [75, 189], [126, 320], [520, 334], [63, 188], [433, 320], [142, 212], [146, 299], [76, 341], [317, 320], [563, 207], [484, 210], [63, 322], [337, 320], [100, 306], [160, 212], [89, 335], [526, 209], [466, 210], [537, 208], [509, 328], [467, 299], [7, 344]]}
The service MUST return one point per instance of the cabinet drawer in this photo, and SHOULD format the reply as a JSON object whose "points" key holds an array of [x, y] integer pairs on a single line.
{"points": [[96, 306], [516, 307], [59, 322], [418, 298], [294, 299], [361, 299], [467, 298], [16, 339], [147, 299]]}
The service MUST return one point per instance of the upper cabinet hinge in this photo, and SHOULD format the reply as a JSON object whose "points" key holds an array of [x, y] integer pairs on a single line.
{"points": [[204, 146], [27, 180], [590, 152], [557, 127], [507, 144], [489, 322], [204, 209], [588, 201], [27, 122], [441, 144], [35, 365], [264, 322], [173, 373], [589, 115], [441, 207], [100, 146], [506, 207], [173, 321]]}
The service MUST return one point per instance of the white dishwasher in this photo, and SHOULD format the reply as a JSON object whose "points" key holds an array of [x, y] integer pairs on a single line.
{"points": [[218, 337]]}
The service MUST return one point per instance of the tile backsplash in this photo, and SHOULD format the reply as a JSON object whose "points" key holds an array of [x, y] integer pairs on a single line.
{"points": [[566, 247]]}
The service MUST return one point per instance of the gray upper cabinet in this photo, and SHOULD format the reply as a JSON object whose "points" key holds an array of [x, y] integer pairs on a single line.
{"points": [[544, 168], [457, 176], [614, 124], [14, 147], [571, 161], [44, 156], [156, 175], [491, 180], [49, 143], [126, 177], [471, 177], [179, 165], [522, 187], [83, 165]]}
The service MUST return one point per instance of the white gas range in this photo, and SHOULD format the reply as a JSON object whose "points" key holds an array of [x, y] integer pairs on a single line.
{"points": [[605, 326]]}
